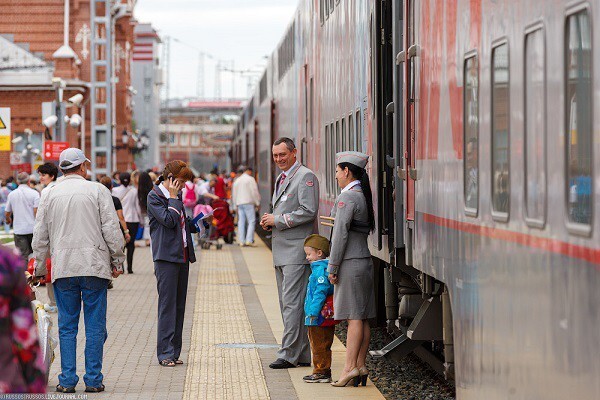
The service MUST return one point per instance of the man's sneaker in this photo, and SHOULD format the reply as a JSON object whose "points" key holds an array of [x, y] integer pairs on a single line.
{"points": [[317, 378], [62, 389]]}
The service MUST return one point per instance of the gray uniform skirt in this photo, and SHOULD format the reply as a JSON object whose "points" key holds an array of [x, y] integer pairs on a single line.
{"points": [[354, 294]]}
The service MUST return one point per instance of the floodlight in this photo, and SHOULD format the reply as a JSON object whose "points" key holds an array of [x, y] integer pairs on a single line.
{"points": [[76, 100], [66, 119], [16, 140], [75, 121]]}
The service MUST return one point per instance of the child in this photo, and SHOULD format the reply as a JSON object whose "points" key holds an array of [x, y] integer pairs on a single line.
{"points": [[318, 307]]}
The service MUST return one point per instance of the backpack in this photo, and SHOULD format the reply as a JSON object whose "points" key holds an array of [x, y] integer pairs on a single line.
{"points": [[190, 199]]}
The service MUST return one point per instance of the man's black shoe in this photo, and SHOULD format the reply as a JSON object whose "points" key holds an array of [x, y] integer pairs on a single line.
{"points": [[304, 364], [280, 363]]}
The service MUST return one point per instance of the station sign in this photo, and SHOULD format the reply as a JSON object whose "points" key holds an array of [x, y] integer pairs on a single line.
{"points": [[16, 158], [53, 149], [5, 129]]}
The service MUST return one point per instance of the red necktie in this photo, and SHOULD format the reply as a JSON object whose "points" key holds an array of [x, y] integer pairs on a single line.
{"points": [[280, 183]]}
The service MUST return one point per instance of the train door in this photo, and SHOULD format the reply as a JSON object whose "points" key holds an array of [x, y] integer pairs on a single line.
{"points": [[398, 121], [273, 134], [383, 108]]}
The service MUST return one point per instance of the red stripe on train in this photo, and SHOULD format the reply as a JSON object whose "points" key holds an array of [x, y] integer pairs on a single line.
{"points": [[551, 245]]}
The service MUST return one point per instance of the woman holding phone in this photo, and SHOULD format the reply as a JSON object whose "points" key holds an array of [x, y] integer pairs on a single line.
{"points": [[172, 252]]}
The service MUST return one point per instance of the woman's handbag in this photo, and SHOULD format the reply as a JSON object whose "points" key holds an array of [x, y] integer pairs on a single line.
{"points": [[326, 315]]}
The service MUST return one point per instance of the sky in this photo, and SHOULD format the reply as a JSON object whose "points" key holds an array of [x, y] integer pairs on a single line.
{"points": [[239, 32]]}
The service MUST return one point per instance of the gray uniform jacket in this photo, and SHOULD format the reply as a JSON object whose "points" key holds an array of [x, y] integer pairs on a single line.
{"points": [[295, 210], [347, 244]]}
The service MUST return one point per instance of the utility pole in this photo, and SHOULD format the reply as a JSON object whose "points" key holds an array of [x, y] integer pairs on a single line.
{"points": [[168, 111], [218, 80]]}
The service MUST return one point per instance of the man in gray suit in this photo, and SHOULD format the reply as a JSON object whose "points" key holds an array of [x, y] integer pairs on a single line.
{"points": [[295, 205]]}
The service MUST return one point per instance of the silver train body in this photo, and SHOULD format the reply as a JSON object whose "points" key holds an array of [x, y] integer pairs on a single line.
{"points": [[479, 119]]}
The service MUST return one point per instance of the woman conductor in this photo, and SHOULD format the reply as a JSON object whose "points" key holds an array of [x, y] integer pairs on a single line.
{"points": [[350, 266]]}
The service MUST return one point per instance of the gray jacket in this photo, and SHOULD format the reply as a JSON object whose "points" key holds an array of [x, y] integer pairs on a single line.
{"points": [[295, 210], [77, 222], [346, 243]]}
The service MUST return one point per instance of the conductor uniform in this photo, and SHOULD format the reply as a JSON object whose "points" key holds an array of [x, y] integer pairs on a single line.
{"points": [[295, 206], [349, 257]]}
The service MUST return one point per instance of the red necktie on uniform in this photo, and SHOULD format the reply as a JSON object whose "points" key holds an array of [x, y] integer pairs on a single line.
{"points": [[281, 179]]}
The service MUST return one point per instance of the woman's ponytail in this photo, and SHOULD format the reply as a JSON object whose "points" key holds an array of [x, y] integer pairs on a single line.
{"points": [[361, 175]]}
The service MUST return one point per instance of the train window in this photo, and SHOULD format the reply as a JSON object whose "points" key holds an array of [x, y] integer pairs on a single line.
{"points": [[578, 118], [322, 10], [471, 135], [327, 161], [344, 145], [535, 128], [331, 6], [351, 133], [500, 132], [358, 144]]}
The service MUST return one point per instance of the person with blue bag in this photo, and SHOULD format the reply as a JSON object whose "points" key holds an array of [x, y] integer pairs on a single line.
{"points": [[318, 307]]}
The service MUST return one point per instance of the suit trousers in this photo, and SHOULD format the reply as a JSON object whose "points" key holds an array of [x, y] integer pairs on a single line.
{"points": [[172, 284], [292, 281], [321, 339]]}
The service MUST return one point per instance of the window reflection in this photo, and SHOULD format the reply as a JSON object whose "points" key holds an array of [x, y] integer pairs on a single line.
{"points": [[471, 133], [579, 118], [500, 129]]}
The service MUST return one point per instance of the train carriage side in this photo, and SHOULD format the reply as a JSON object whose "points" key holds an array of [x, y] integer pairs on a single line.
{"points": [[505, 189]]}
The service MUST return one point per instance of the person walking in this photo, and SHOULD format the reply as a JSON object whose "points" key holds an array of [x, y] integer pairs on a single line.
{"points": [[128, 194], [78, 223], [4, 191], [295, 205], [172, 252], [245, 199], [21, 208], [350, 265]]}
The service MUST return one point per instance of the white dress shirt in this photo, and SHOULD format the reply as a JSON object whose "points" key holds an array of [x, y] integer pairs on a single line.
{"points": [[245, 191], [21, 203], [350, 186], [164, 191]]}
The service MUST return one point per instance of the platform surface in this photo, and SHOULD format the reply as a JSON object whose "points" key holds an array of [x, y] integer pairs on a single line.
{"points": [[232, 331]]}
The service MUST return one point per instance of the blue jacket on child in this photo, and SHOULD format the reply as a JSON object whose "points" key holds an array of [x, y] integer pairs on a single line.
{"points": [[318, 289]]}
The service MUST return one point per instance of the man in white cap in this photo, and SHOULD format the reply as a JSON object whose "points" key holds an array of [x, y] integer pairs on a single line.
{"points": [[21, 207], [78, 221]]}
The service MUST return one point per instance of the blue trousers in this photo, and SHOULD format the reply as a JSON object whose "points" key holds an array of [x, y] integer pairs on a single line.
{"points": [[172, 284], [246, 216], [70, 293]]}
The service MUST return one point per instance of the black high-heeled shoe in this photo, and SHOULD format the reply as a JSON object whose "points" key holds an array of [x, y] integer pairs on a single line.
{"points": [[364, 374]]}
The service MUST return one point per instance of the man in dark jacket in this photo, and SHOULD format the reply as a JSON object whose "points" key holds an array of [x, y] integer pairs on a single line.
{"points": [[172, 251]]}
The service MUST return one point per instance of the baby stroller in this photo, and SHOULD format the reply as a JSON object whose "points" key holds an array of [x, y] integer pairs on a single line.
{"points": [[223, 220], [205, 238]]}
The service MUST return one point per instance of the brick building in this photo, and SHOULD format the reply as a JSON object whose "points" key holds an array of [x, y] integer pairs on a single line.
{"points": [[38, 43]]}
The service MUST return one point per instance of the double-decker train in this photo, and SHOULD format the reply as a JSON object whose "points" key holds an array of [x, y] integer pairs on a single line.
{"points": [[478, 117]]}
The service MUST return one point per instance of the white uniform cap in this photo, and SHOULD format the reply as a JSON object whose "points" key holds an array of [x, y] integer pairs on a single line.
{"points": [[352, 157]]}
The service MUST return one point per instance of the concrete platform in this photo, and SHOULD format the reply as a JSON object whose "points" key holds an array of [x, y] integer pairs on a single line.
{"points": [[232, 330]]}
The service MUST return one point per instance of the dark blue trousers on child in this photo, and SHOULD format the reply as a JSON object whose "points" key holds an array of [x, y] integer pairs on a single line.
{"points": [[172, 283]]}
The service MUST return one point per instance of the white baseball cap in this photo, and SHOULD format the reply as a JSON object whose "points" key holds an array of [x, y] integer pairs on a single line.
{"points": [[71, 157]]}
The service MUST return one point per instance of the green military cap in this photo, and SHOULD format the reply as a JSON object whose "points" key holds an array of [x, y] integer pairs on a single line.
{"points": [[353, 157], [318, 242]]}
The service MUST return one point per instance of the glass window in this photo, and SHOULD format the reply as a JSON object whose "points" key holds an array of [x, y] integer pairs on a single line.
{"points": [[578, 116], [196, 140], [184, 139], [172, 138], [327, 161], [331, 6], [322, 10], [351, 133], [535, 126], [358, 144], [344, 140], [471, 133], [500, 130]]}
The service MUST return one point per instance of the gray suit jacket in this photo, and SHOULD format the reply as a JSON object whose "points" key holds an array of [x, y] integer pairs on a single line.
{"points": [[345, 243], [295, 210]]}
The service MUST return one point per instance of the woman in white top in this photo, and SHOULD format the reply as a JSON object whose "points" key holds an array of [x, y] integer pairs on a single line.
{"points": [[128, 195]]}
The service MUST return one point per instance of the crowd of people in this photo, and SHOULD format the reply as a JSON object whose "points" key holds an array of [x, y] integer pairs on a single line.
{"points": [[320, 281]]}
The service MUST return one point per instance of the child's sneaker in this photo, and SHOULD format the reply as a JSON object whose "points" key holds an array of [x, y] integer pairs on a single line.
{"points": [[317, 378]]}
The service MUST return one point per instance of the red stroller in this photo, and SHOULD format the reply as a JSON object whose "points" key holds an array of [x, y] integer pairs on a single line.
{"points": [[223, 221]]}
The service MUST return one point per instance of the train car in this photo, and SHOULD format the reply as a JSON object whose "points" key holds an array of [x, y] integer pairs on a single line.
{"points": [[478, 116]]}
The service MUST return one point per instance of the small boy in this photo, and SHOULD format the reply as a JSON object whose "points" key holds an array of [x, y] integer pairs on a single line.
{"points": [[320, 327]]}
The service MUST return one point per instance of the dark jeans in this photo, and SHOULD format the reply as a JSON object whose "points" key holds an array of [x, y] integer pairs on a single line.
{"points": [[133, 229], [70, 293], [172, 284], [23, 244]]}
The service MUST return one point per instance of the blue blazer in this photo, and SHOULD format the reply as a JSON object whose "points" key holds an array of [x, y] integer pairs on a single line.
{"points": [[165, 229]]}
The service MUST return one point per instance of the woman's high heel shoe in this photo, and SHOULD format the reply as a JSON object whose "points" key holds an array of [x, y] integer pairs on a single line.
{"points": [[364, 374], [353, 375]]}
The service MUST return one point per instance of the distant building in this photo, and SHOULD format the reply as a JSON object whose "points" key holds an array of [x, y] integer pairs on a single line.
{"points": [[147, 80], [199, 132]]}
